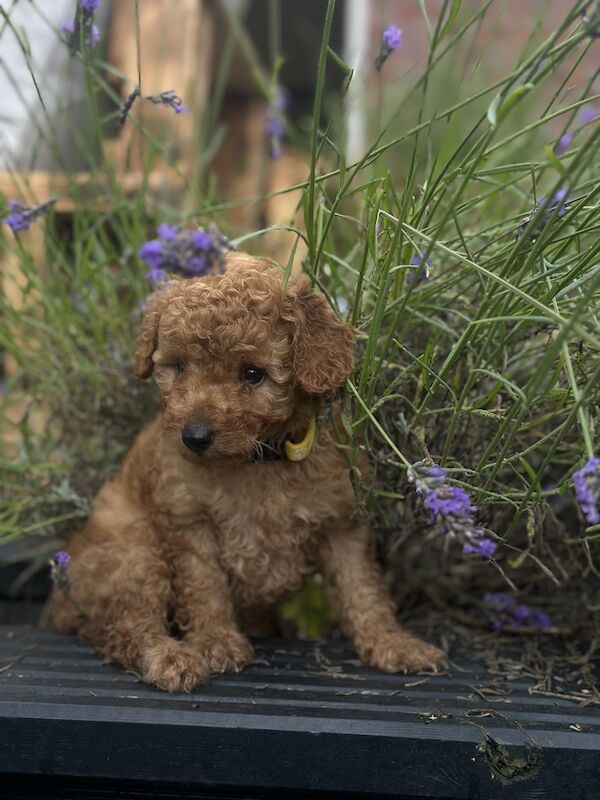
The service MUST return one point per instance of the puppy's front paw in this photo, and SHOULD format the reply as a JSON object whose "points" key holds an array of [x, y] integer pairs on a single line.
{"points": [[226, 651], [398, 651], [170, 665]]}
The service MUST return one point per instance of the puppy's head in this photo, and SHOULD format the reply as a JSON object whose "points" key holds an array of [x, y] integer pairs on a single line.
{"points": [[238, 359]]}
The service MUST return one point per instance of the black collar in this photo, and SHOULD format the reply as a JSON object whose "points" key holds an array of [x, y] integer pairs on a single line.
{"points": [[268, 451]]}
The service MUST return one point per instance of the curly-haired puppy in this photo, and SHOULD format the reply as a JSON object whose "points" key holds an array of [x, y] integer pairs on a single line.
{"points": [[198, 537]]}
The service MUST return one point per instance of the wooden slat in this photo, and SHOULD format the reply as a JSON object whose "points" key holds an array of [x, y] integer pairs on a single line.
{"points": [[304, 720], [38, 186], [81, 189]]}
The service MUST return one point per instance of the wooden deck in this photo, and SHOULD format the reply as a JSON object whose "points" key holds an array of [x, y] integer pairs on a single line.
{"points": [[304, 720]]}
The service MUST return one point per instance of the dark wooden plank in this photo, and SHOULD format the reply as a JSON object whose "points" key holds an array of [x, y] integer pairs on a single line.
{"points": [[304, 718]]}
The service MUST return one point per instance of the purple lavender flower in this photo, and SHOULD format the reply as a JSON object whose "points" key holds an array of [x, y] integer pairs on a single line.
{"points": [[83, 28], [275, 148], [17, 220], [539, 619], [201, 240], [587, 490], [128, 105], [152, 253], [197, 265], [157, 277], [275, 123], [482, 546], [184, 251], [501, 611], [448, 501], [437, 472], [559, 201], [167, 232], [563, 144], [450, 507], [499, 601], [59, 570], [21, 217], [532, 617], [168, 99], [423, 272], [587, 113], [281, 99], [391, 40], [275, 126]]}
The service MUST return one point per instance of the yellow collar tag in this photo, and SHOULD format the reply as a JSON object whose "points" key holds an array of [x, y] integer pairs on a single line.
{"points": [[298, 451]]}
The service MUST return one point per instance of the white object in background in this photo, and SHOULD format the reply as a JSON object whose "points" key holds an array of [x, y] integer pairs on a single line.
{"points": [[357, 27], [40, 133]]}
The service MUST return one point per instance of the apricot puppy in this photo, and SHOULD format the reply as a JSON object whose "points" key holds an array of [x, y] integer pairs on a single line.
{"points": [[210, 522]]}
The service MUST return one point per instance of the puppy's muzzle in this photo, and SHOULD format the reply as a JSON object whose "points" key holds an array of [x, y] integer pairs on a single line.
{"points": [[197, 437]]}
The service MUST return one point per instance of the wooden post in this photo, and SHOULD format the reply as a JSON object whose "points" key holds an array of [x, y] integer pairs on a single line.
{"points": [[286, 209], [175, 53]]}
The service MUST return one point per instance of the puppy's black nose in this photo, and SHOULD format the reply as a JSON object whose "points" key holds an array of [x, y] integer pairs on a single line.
{"points": [[197, 436]]}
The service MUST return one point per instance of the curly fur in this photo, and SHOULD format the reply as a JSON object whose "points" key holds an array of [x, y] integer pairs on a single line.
{"points": [[185, 555]]}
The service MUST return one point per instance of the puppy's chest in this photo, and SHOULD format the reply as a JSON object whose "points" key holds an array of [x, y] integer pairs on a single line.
{"points": [[268, 542], [267, 522]]}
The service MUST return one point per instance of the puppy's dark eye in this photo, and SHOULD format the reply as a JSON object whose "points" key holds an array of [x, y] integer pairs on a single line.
{"points": [[252, 375], [179, 368]]}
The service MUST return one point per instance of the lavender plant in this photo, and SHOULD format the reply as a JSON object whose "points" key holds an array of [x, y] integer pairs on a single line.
{"points": [[424, 263], [22, 217], [128, 105], [501, 611], [587, 490], [462, 245], [391, 39], [185, 252], [168, 99], [450, 507], [59, 570], [82, 28], [275, 123]]}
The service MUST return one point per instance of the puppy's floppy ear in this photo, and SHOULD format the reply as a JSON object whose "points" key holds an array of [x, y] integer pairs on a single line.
{"points": [[321, 343], [147, 338]]}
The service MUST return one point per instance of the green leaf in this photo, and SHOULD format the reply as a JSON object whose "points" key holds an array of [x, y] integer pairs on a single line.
{"points": [[502, 105], [347, 70], [456, 4], [426, 19], [555, 162]]}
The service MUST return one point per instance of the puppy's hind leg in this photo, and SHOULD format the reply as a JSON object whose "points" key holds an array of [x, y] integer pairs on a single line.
{"points": [[66, 618], [122, 591]]}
